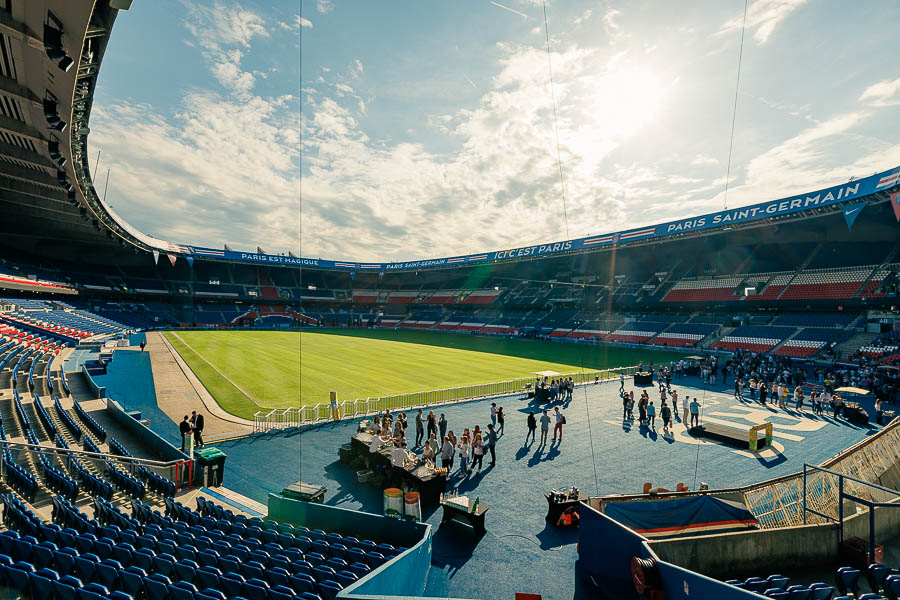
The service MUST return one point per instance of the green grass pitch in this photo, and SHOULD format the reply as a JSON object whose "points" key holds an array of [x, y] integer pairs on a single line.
{"points": [[247, 371]]}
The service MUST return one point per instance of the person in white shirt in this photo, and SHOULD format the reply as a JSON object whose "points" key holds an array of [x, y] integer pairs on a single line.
{"points": [[374, 425], [376, 443], [685, 407], [545, 426], [399, 456]]}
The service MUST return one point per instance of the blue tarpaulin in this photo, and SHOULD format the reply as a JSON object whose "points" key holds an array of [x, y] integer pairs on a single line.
{"points": [[682, 516]]}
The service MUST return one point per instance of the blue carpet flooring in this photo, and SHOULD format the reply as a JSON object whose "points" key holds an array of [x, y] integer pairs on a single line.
{"points": [[520, 552]]}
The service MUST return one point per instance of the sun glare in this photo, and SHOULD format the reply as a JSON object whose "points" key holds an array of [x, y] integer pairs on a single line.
{"points": [[625, 99]]}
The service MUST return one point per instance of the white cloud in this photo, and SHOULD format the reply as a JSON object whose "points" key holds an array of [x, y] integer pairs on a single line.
{"points": [[609, 19], [356, 69], [221, 31], [585, 16], [368, 199], [883, 93], [703, 160], [763, 16], [303, 22], [324, 6]]}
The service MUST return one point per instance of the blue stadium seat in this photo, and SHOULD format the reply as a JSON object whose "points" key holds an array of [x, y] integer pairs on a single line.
{"points": [[277, 576], [336, 563], [18, 575], [156, 587], [776, 593], [143, 558], [231, 584], [208, 577], [301, 566], [309, 596], [123, 553], [892, 585], [317, 534], [345, 578], [253, 570], [261, 557], [328, 589], [848, 580], [42, 584], [871, 596], [821, 591], [86, 565], [361, 569], [66, 588], [229, 564], [281, 592], [376, 559], [103, 547], [255, 589], [753, 584], [131, 580], [321, 574], [779, 582], [302, 583], [107, 573], [315, 559], [92, 591], [876, 573], [186, 570], [186, 552], [799, 592], [303, 543], [42, 554], [268, 536], [119, 595], [182, 590], [164, 564], [210, 594]]}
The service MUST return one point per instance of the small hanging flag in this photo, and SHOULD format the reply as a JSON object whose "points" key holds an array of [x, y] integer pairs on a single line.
{"points": [[851, 212], [172, 258]]}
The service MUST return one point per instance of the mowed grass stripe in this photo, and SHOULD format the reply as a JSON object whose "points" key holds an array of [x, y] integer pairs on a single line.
{"points": [[285, 369], [229, 397], [371, 363]]}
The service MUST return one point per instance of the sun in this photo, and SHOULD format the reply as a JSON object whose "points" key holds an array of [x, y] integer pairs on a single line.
{"points": [[625, 99]]}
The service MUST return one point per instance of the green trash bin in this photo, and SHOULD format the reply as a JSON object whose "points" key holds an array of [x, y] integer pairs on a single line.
{"points": [[209, 467]]}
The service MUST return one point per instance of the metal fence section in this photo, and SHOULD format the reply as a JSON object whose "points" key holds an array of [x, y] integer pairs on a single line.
{"points": [[277, 419], [813, 497]]}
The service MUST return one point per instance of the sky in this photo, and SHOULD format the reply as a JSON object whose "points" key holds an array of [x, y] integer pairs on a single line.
{"points": [[408, 129]]}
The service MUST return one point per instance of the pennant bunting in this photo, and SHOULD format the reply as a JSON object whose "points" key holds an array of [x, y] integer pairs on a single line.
{"points": [[155, 257], [172, 258]]}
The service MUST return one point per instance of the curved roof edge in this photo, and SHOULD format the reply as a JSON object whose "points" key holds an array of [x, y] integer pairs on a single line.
{"points": [[835, 197]]}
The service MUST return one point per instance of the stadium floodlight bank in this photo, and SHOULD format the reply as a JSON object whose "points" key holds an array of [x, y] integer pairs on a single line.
{"points": [[273, 420]]}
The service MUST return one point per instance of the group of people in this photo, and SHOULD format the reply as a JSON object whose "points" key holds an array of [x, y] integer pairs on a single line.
{"points": [[435, 440], [545, 420], [647, 410], [192, 425], [551, 390]]}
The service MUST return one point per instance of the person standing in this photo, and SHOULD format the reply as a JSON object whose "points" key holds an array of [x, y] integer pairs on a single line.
{"points": [[630, 406], [675, 416], [651, 415], [442, 425], [432, 424], [621, 382], [492, 441], [666, 413], [453, 440], [763, 392], [420, 428], [197, 423], [545, 427], [738, 385], [185, 428], [143, 345], [560, 420], [532, 427], [446, 453], [478, 451], [500, 418], [686, 407], [464, 455], [494, 413], [695, 413]]}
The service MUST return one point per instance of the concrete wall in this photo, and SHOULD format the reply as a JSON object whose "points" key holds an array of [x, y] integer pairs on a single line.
{"points": [[402, 578], [887, 524], [98, 390], [148, 437], [765, 550]]}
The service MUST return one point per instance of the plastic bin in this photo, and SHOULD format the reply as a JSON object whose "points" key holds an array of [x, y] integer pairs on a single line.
{"points": [[210, 467]]}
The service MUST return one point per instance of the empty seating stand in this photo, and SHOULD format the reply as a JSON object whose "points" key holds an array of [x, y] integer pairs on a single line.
{"points": [[826, 284], [683, 334], [704, 290], [753, 338]]}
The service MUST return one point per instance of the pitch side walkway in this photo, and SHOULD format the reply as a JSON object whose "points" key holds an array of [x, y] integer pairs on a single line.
{"points": [[178, 392]]}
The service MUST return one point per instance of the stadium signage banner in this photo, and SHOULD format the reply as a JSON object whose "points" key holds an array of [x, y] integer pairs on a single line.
{"points": [[853, 190]]}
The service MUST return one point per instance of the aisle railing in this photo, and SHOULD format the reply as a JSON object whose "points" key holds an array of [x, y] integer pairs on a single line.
{"points": [[277, 419]]}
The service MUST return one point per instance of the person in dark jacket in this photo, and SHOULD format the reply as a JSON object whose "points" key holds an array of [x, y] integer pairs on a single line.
{"points": [[185, 428], [197, 423], [532, 426]]}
